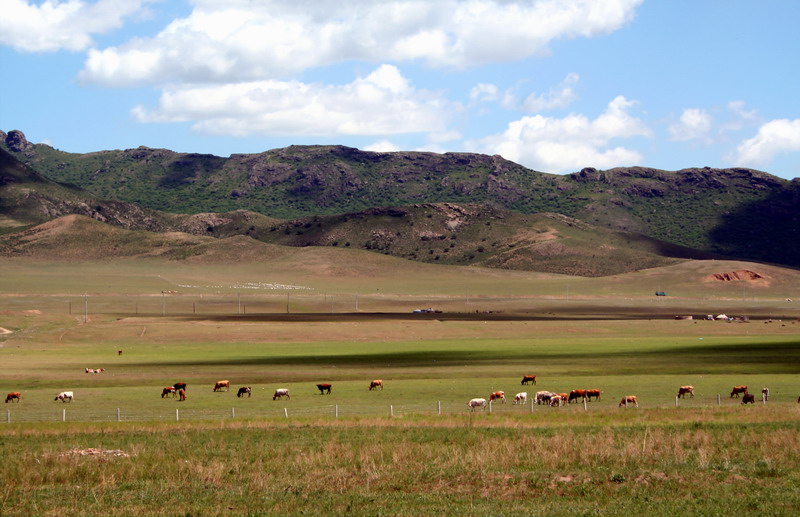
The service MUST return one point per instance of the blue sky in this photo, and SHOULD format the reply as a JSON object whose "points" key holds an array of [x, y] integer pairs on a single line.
{"points": [[556, 85]]}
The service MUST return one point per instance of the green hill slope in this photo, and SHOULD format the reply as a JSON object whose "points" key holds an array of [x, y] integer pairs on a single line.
{"points": [[481, 235], [736, 212]]}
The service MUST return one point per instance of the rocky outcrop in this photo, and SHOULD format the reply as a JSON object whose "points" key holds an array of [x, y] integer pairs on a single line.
{"points": [[16, 141]]}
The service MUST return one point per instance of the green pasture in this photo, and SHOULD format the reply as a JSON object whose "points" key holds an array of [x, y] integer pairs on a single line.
{"points": [[231, 456]]}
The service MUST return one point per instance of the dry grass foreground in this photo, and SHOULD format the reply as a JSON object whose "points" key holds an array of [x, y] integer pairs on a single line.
{"points": [[712, 462]]}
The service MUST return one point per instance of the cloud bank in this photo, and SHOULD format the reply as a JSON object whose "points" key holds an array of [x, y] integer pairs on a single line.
{"points": [[56, 25], [237, 41]]}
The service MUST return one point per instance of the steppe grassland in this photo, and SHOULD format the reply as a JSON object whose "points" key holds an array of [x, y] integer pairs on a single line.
{"points": [[697, 459]]}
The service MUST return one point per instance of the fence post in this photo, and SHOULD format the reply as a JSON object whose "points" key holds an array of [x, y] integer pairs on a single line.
{"points": [[118, 418], [337, 410], [233, 412], [490, 406], [63, 415], [286, 412], [585, 408], [8, 416], [439, 407], [676, 401], [718, 400], [532, 404], [177, 415], [391, 410]]}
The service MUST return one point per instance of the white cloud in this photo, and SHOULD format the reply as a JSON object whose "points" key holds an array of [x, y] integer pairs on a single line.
{"points": [[61, 25], [382, 146], [382, 103], [742, 117], [694, 124], [243, 40], [560, 97], [569, 143], [773, 138], [484, 92]]}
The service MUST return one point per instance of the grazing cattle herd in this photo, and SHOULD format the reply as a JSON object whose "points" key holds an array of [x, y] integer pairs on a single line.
{"points": [[548, 398]]}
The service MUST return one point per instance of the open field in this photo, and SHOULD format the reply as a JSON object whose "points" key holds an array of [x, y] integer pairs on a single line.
{"points": [[245, 457]]}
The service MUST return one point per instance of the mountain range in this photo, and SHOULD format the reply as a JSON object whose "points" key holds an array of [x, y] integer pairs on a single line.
{"points": [[454, 208]]}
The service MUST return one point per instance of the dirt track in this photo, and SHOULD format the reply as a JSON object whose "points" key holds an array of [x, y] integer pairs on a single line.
{"points": [[579, 314]]}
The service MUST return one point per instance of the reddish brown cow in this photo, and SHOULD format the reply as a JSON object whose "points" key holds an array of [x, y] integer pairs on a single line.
{"points": [[169, 390], [748, 398], [628, 400], [684, 390], [593, 393], [222, 384], [498, 395], [14, 395], [575, 395], [737, 390], [323, 388], [528, 378], [377, 383], [179, 385], [182, 395]]}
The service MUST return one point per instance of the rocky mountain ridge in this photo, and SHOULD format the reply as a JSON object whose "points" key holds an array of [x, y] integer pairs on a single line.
{"points": [[735, 212]]}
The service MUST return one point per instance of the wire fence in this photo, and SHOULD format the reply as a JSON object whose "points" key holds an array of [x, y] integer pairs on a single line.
{"points": [[81, 414]]}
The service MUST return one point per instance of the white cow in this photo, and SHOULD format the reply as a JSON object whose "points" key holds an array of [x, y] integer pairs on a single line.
{"points": [[765, 394], [280, 393], [543, 397], [64, 395], [475, 403], [521, 398]]}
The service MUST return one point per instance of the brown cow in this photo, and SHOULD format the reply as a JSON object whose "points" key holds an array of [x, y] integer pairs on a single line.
{"points": [[528, 378], [181, 395], [628, 400], [323, 388], [246, 389], [575, 395], [179, 385], [593, 393], [222, 384], [748, 398], [377, 383], [737, 390], [14, 395], [498, 395], [169, 390], [684, 390]]}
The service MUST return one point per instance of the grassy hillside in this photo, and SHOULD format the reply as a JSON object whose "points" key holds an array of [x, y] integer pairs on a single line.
{"points": [[735, 212], [481, 235]]}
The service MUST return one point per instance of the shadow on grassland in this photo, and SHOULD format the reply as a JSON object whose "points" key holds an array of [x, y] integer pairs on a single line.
{"points": [[750, 358]]}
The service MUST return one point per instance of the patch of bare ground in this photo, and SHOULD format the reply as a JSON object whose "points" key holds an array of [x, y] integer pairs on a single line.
{"points": [[740, 275]]}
